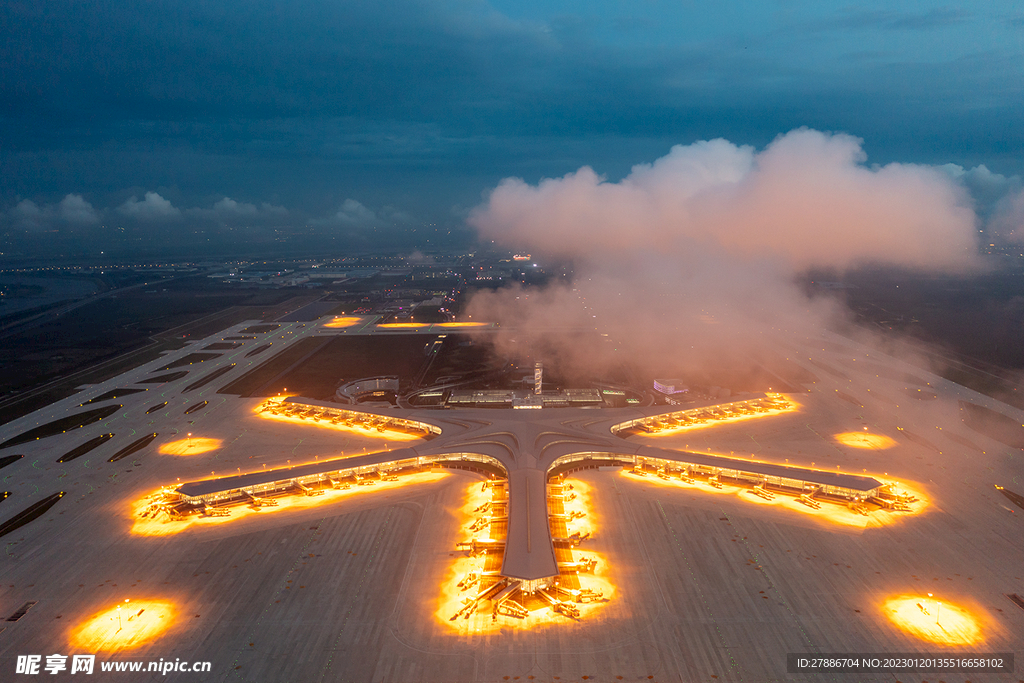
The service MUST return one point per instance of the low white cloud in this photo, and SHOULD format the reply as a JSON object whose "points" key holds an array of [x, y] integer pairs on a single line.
{"points": [[153, 207], [355, 215], [1008, 218], [987, 188], [231, 207], [27, 209], [27, 215], [230, 211], [74, 209], [999, 200], [75, 212], [418, 258]]}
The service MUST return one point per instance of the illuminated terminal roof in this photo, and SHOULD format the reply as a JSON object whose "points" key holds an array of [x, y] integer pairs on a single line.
{"points": [[853, 483], [507, 398], [239, 482], [526, 446]]}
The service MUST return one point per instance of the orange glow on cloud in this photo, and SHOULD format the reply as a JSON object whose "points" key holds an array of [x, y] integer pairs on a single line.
{"points": [[746, 204], [865, 440], [190, 446], [934, 620], [141, 622], [342, 321], [460, 324], [399, 326]]}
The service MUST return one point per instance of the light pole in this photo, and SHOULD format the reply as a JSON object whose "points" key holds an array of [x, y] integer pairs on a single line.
{"points": [[119, 616], [938, 606]]}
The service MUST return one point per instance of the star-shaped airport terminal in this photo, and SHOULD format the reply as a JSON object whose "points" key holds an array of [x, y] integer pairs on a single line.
{"points": [[858, 504]]}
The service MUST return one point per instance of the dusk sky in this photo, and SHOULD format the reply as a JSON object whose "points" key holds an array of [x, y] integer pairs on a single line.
{"points": [[403, 113]]}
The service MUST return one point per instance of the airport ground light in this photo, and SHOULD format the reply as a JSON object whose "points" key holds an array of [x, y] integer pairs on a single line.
{"points": [[865, 440], [126, 625], [190, 445], [340, 322], [935, 619]]}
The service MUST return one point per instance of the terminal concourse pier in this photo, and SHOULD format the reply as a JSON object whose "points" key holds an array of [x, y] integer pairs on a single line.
{"points": [[284, 537], [556, 441]]}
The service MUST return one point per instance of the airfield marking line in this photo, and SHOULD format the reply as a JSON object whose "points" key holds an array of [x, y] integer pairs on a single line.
{"points": [[408, 567], [344, 622], [31, 393], [774, 587], [154, 340], [280, 591], [696, 584], [643, 546], [828, 441]]}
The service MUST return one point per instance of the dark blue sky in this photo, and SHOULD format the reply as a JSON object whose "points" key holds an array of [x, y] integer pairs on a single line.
{"points": [[403, 112]]}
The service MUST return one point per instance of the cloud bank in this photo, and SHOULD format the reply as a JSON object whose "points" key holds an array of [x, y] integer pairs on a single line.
{"points": [[72, 211], [691, 260], [153, 207], [228, 211], [353, 214], [1008, 220], [807, 199]]}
